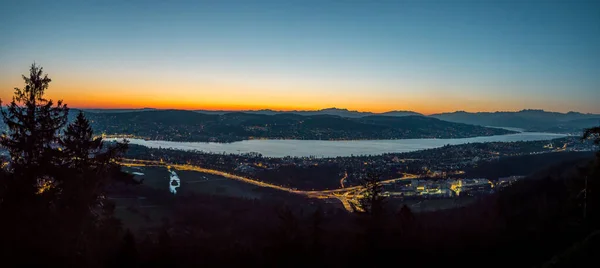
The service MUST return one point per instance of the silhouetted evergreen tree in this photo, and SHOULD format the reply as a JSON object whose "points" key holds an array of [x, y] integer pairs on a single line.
{"points": [[27, 207], [316, 233], [53, 202], [591, 184], [372, 202], [405, 221], [89, 164], [288, 237], [33, 123], [127, 255], [372, 216], [164, 257], [78, 143]]}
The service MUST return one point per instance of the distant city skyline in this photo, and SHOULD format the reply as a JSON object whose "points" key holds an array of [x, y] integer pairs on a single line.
{"points": [[376, 56]]}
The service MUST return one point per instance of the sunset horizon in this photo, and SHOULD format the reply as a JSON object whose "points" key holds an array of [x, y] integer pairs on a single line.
{"points": [[238, 109], [299, 133], [98, 99], [424, 56]]}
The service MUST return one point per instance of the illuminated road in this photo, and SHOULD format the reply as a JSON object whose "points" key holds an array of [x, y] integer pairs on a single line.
{"points": [[345, 195], [343, 179]]}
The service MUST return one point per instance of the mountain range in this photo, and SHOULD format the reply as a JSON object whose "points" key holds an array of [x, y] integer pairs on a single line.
{"points": [[182, 125], [328, 111], [526, 120]]}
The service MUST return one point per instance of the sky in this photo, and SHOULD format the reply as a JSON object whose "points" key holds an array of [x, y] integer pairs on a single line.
{"points": [[424, 56]]}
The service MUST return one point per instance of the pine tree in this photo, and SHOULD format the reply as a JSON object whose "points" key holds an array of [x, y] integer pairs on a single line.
{"points": [[78, 143], [405, 221], [33, 124], [88, 166], [52, 200], [127, 255], [591, 190], [316, 233], [372, 215], [372, 201]]}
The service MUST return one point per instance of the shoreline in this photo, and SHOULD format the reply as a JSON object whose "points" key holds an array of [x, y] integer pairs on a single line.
{"points": [[326, 148], [109, 138]]}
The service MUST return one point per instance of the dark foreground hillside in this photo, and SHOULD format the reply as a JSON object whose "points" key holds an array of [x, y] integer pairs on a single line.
{"points": [[540, 220]]}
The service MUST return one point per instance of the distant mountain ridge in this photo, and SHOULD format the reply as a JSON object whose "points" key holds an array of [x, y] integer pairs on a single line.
{"points": [[182, 125], [327, 111], [117, 110], [529, 120]]}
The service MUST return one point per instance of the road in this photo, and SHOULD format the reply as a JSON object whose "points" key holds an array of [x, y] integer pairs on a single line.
{"points": [[346, 195], [343, 178]]}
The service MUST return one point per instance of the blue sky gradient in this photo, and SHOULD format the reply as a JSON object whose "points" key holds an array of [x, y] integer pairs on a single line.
{"points": [[428, 56]]}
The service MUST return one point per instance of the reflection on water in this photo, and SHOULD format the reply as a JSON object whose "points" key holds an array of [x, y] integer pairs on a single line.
{"points": [[318, 148], [174, 182]]}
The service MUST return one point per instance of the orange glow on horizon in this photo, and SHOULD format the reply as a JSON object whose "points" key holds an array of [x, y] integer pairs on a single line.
{"points": [[124, 104], [202, 95], [101, 101]]}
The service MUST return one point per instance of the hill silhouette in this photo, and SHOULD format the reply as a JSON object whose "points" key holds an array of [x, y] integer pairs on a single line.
{"points": [[328, 111], [184, 125], [529, 120]]}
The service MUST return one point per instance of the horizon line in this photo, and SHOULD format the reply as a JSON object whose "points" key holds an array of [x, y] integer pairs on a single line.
{"points": [[328, 108]]}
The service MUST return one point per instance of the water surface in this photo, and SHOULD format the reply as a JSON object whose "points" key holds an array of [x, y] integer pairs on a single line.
{"points": [[317, 148]]}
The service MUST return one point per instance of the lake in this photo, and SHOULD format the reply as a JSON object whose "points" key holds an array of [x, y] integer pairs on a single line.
{"points": [[317, 148]]}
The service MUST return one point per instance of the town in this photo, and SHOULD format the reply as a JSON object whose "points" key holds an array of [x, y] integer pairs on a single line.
{"points": [[446, 172]]}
